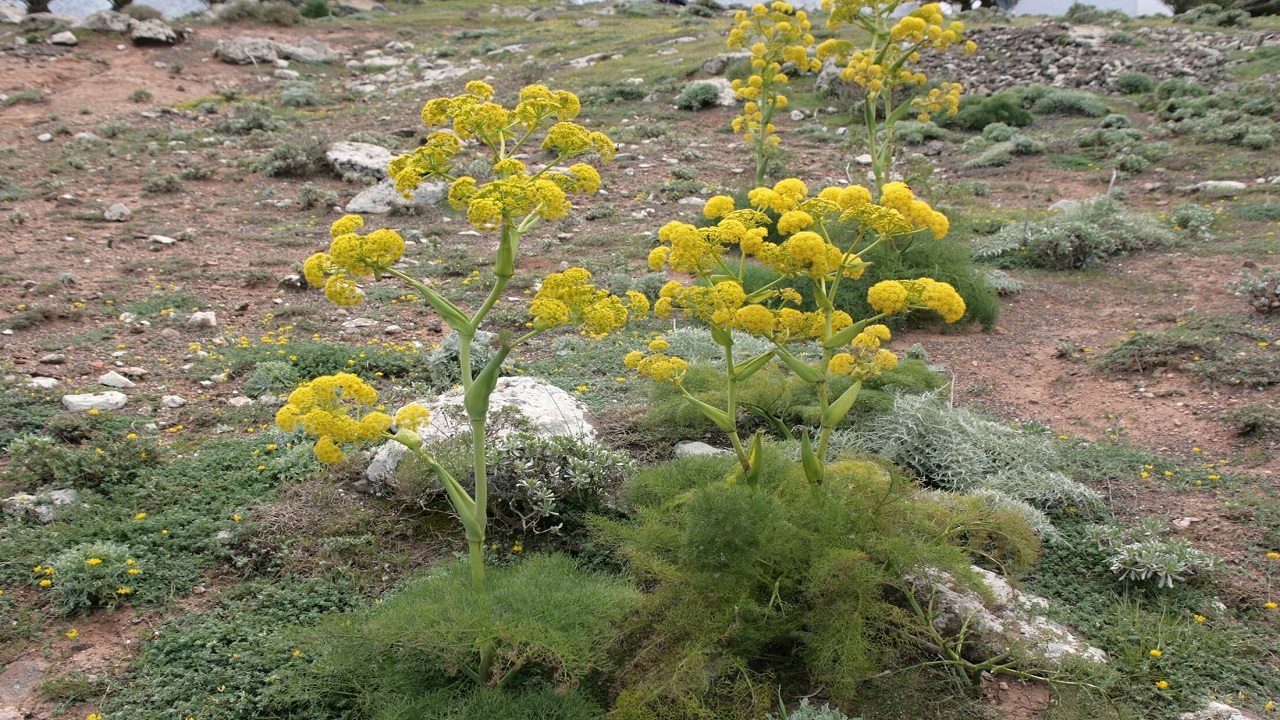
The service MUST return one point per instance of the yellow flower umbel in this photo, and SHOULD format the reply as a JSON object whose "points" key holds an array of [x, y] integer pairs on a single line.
{"points": [[329, 407], [775, 35], [352, 256], [806, 227], [885, 64], [568, 299]]}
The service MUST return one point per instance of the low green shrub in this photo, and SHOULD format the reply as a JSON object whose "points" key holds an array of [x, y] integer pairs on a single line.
{"points": [[294, 158], [1223, 349], [956, 450], [551, 621], [1095, 230], [912, 132], [163, 184], [1179, 87], [271, 13], [805, 711], [247, 117], [1069, 102], [300, 93], [142, 12], [1197, 220], [977, 113], [994, 155], [998, 132], [1213, 15], [780, 583], [315, 9], [312, 195], [698, 96], [1257, 420], [1085, 14], [1143, 552], [1261, 289], [1134, 83], [89, 575]]}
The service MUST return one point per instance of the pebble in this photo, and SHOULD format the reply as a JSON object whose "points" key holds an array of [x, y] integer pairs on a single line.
{"points": [[240, 401], [173, 401], [118, 212], [116, 380], [203, 319], [53, 359], [42, 383], [44, 137], [110, 400]]}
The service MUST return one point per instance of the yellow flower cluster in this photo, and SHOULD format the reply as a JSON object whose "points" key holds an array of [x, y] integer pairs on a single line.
{"points": [[568, 298], [352, 256], [865, 357], [887, 66], [516, 193], [945, 97], [784, 38], [323, 408], [894, 296], [657, 365], [726, 305], [898, 196]]}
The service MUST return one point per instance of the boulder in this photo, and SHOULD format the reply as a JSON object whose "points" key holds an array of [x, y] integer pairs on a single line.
{"points": [[116, 380], [110, 400], [106, 21], [11, 14], [39, 22], [41, 507], [66, 38], [383, 198], [718, 64], [549, 410], [363, 159], [1010, 619], [246, 51], [308, 50], [152, 32], [118, 212]]}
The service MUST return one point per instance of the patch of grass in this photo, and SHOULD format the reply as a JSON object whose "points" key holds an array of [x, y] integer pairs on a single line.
{"points": [[1222, 349], [1257, 420], [294, 158], [1257, 212], [34, 316], [24, 410], [163, 302], [163, 184], [30, 97]]}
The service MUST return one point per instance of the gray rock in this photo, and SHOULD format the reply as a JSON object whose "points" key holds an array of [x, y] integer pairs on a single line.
{"points": [[541, 15], [106, 21], [66, 37], [309, 50], [384, 198], [173, 401], [283, 74], [1215, 186], [207, 319], [359, 323], [11, 14], [89, 138], [116, 380], [162, 240], [364, 159], [41, 507], [864, 159], [718, 64], [19, 681], [515, 11], [152, 32], [1216, 711], [550, 410], [44, 137], [1064, 206], [109, 400], [43, 383], [694, 448], [246, 50], [39, 22], [294, 283], [796, 115], [118, 212], [1011, 619], [52, 359]]}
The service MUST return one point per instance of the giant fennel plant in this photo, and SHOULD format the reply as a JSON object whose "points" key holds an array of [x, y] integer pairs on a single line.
{"points": [[882, 64], [825, 237], [340, 410]]}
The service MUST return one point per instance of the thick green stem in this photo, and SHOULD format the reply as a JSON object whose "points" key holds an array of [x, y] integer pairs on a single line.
{"points": [[743, 457]]}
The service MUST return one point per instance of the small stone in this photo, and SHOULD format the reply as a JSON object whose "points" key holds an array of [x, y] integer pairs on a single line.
{"points": [[357, 323], [152, 32], [293, 283], [110, 400], [1064, 206], [118, 213], [134, 372], [240, 401], [282, 74], [391, 329], [863, 159], [796, 115], [170, 334], [66, 37], [173, 401], [53, 359], [44, 137], [116, 380], [43, 383], [162, 240], [203, 319], [694, 448]]}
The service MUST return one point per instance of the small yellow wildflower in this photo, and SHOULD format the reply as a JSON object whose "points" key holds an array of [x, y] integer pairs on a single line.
{"points": [[140, 516], [72, 634], [1162, 684], [1155, 653]]}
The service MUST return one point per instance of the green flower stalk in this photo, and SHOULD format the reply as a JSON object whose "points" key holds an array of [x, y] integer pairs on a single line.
{"points": [[848, 347], [517, 198]]}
